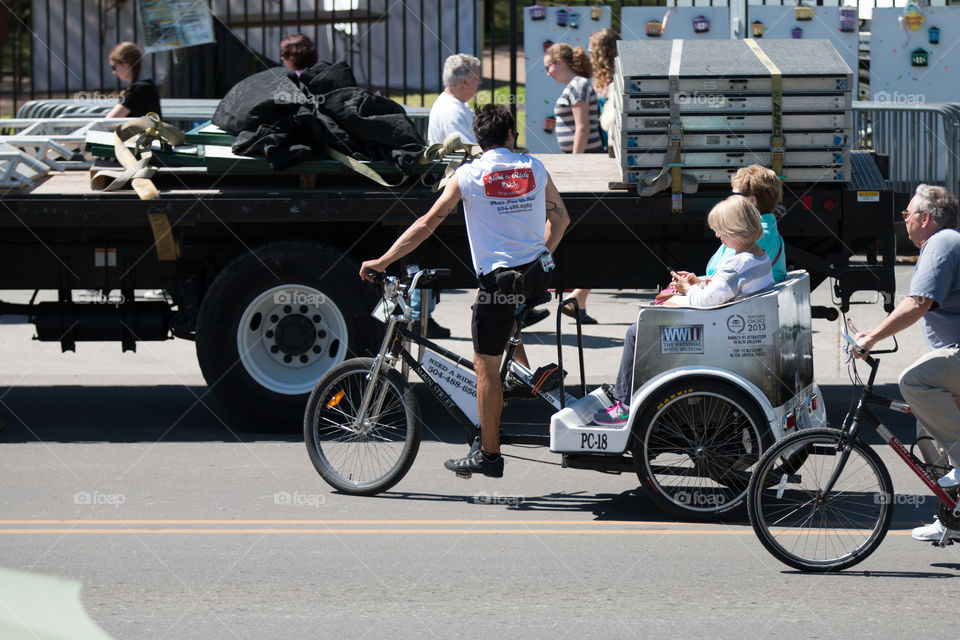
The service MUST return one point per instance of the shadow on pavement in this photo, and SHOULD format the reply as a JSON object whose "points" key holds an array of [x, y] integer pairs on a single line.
{"points": [[191, 414], [631, 505]]}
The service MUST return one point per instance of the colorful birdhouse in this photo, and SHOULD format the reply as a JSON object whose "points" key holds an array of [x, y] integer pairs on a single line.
{"points": [[848, 19], [912, 16], [574, 19], [933, 34], [547, 44], [538, 12], [701, 24], [596, 13], [549, 124], [803, 12], [561, 17], [654, 28], [918, 57], [796, 33], [756, 27]]}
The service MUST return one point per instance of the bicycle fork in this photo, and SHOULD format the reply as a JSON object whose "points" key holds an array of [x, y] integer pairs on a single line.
{"points": [[372, 378]]}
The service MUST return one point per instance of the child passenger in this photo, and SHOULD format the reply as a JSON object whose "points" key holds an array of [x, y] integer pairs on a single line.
{"points": [[744, 270]]}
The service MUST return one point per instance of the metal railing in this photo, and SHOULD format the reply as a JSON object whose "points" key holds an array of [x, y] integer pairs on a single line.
{"points": [[921, 140], [58, 49]]}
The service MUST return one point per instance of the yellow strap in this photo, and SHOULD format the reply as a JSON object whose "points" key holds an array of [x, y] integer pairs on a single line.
{"points": [[361, 168], [776, 139], [676, 127], [167, 249]]}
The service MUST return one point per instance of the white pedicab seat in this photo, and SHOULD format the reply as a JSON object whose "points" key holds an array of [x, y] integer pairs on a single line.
{"points": [[712, 389]]}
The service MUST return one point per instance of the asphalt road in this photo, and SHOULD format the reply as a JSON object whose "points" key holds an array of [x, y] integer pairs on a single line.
{"points": [[119, 471]]}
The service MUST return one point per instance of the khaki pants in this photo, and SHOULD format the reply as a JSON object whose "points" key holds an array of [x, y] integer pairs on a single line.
{"points": [[929, 386]]}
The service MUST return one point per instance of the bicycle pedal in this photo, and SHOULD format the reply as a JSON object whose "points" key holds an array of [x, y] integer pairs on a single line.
{"points": [[466, 475]]}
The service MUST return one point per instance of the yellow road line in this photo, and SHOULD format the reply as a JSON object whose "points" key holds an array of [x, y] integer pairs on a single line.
{"points": [[366, 522], [381, 531], [392, 531]]}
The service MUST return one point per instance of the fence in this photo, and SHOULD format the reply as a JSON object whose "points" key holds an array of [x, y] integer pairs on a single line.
{"points": [[921, 140]]}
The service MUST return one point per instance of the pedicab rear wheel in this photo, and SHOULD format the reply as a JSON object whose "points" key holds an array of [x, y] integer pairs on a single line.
{"points": [[695, 445]]}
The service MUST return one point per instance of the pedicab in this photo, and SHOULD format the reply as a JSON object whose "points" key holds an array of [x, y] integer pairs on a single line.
{"points": [[712, 389]]}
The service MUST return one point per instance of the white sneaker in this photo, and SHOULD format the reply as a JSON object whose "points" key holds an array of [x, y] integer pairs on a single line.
{"points": [[933, 532], [952, 479]]}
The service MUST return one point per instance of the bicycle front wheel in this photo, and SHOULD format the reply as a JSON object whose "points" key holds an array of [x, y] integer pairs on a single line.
{"points": [[368, 455], [807, 529]]}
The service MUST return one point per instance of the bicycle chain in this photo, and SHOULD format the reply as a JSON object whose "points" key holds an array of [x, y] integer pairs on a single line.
{"points": [[508, 455], [945, 513]]}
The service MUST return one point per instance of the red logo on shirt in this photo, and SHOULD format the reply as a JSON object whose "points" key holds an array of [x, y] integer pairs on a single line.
{"points": [[511, 183]]}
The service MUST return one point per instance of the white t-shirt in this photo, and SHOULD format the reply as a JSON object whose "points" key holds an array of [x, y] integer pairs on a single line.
{"points": [[449, 115], [505, 208], [738, 276]]}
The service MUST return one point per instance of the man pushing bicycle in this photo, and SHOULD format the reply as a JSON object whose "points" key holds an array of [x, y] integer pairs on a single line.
{"points": [[932, 383], [515, 219]]}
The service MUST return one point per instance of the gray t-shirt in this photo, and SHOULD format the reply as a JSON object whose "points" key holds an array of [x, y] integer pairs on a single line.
{"points": [[937, 276]]}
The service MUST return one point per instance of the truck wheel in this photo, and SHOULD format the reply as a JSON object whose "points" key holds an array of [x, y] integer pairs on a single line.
{"points": [[694, 446], [273, 322]]}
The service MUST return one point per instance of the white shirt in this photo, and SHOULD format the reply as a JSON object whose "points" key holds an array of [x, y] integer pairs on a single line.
{"points": [[504, 204], [449, 115], [738, 275]]}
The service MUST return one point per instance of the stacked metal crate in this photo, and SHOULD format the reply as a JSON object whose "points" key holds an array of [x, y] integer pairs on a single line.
{"points": [[722, 101]]}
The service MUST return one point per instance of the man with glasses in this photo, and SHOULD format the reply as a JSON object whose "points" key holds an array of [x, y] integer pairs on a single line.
{"points": [[931, 385]]}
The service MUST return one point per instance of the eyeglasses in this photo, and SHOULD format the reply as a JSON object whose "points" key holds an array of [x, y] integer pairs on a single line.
{"points": [[906, 213], [547, 66]]}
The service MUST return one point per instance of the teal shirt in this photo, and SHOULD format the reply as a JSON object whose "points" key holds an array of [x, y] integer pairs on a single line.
{"points": [[771, 242]]}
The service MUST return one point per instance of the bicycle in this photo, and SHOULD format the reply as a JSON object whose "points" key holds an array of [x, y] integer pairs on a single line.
{"points": [[822, 499], [362, 424]]}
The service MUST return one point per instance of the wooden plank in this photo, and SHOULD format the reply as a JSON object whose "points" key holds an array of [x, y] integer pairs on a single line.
{"points": [[581, 173]]}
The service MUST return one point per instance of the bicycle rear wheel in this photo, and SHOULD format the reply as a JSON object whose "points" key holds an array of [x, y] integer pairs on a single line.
{"points": [[805, 529], [370, 457]]}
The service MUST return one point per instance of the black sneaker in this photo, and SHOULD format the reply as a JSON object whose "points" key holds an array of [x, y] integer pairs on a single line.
{"points": [[515, 388], [475, 462], [533, 316]]}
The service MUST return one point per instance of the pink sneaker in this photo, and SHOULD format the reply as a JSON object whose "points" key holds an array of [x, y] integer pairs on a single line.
{"points": [[615, 416]]}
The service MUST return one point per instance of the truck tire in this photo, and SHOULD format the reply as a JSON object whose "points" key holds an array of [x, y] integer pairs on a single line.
{"points": [[273, 322]]}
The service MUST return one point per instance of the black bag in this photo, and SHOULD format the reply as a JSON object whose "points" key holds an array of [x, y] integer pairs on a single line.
{"points": [[323, 77], [267, 98]]}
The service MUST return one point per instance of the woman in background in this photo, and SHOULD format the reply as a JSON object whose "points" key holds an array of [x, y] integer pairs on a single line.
{"points": [[578, 121], [603, 51], [141, 97], [298, 52]]}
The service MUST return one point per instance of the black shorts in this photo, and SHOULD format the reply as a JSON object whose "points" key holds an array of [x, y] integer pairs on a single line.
{"points": [[493, 311]]}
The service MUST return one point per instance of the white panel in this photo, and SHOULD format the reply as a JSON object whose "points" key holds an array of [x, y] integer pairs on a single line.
{"points": [[541, 90], [893, 78]]}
